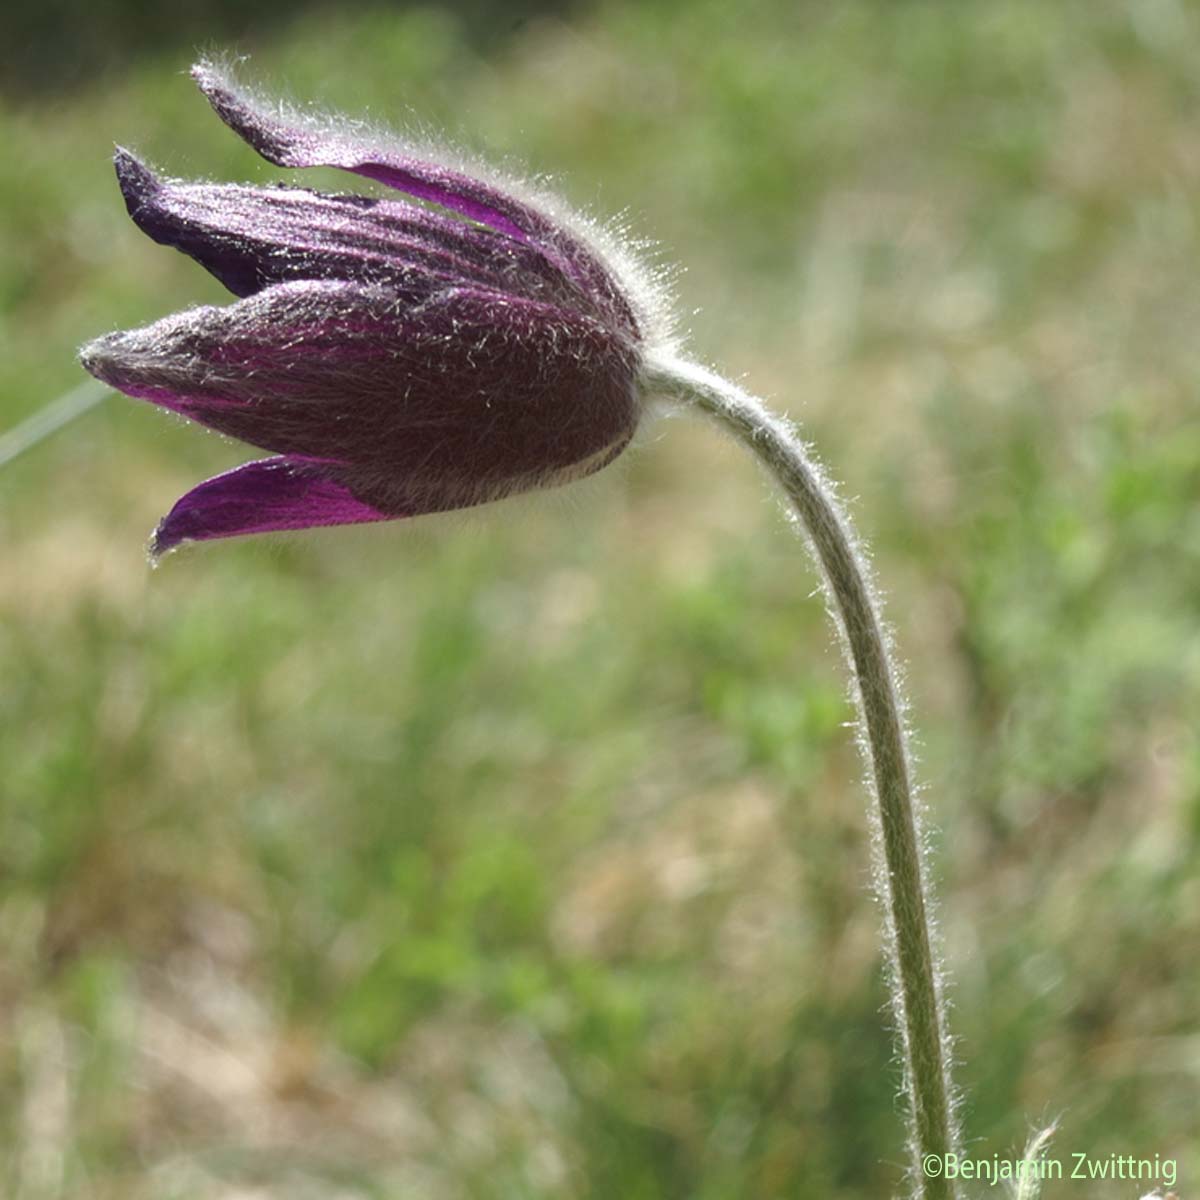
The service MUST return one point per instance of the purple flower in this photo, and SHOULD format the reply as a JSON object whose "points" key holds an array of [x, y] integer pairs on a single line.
{"points": [[395, 358]]}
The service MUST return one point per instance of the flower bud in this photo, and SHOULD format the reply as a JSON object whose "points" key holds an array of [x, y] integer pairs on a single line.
{"points": [[395, 358]]}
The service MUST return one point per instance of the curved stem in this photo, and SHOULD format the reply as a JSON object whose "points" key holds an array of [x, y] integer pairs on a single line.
{"points": [[915, 986]]}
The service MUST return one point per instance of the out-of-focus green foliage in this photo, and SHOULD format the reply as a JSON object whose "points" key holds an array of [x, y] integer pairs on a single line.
{"points": [[522, 854]]}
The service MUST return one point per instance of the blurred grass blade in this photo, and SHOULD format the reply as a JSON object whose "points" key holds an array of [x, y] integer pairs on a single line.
{"points": [[50, 418], [1029, 1183]]}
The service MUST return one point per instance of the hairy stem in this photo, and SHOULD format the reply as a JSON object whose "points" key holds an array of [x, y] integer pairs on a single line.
{"points": [[916, 989]]}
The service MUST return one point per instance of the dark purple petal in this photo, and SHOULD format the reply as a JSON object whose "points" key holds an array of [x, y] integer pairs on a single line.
{"points": [[300, 143], [466, 397], [252, 237], [303, 142], [258, 497]]}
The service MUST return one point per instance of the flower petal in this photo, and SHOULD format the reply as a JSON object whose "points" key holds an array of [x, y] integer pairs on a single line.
{"points": [[298, 140], [251, 237], [466, 397], [257, 497], [302, 142]]}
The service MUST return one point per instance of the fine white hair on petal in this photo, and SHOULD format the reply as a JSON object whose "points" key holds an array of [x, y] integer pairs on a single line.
{"points": [[646, 287]]}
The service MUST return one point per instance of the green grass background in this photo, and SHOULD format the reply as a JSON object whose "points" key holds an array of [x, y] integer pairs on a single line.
{"points": [[521, 854]]}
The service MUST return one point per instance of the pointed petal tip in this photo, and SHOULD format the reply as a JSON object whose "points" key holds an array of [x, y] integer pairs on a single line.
{"points": [[165, 540], [158, 547], [119, 360], [246, 117], [96, 355], [126, 162], [209, 76], [207, 67], [215, 81], [137, 182]]}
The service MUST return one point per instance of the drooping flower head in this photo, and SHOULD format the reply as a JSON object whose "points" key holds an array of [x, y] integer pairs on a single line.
{"points": [[395, 358]]}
